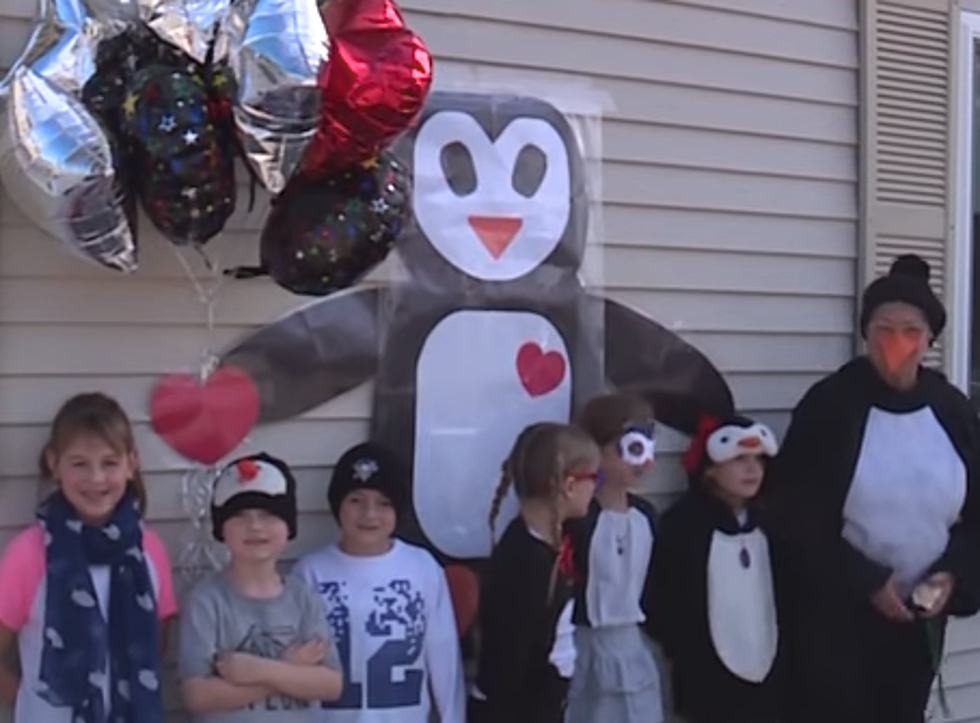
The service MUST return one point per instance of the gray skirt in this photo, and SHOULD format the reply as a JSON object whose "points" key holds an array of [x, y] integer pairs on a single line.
{"points": [[617, 677]]}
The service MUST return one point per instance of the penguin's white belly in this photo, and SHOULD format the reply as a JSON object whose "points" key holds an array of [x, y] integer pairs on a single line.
{"points": [[481, 377], [741, 605]]}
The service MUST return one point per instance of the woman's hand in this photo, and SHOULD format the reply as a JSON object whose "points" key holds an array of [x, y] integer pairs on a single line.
{"points": [[889, 604], [941, 587]]}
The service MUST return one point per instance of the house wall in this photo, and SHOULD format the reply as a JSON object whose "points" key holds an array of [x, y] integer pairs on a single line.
{"points": [[730, 209]]}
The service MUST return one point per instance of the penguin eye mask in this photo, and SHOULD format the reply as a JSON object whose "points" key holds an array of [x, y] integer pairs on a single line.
{"points": [[638, 445], [731, 441]]}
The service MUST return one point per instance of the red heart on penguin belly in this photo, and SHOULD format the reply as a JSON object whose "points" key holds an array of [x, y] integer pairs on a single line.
{"points": [[204, 421], [540, 372]]}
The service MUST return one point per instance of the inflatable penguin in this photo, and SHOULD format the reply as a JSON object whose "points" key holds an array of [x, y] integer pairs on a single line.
{"points": [[713, 591], [491, 330]]}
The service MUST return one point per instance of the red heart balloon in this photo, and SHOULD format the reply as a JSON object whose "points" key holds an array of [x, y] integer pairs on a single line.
{"points": [[373, 87], [204, 421]]}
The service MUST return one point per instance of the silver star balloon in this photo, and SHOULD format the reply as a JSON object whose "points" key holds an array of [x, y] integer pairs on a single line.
{"points": [[57, 166], [67, 34], [189, 25], [276, 49]]}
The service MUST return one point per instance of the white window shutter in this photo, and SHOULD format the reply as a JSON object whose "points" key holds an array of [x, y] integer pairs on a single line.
{"points": [[906, 138]]}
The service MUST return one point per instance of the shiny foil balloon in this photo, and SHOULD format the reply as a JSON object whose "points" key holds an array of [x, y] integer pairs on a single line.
{"points": [[66, 36], [276, 51], [374, 85], [57, 165], [117, 62], [188, 25], [184, 150], [324, 235]]}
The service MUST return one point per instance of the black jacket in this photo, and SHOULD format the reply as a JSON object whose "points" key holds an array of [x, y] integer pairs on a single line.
{"points": [[518, 623]]}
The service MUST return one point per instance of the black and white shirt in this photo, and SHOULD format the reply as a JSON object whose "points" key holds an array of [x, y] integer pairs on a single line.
{"points": [[613, 554]]}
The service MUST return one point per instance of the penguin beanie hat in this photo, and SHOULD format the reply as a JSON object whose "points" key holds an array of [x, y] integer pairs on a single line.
{"points": [[718, 441], [368, 466], [255, 482], [908, 282]]}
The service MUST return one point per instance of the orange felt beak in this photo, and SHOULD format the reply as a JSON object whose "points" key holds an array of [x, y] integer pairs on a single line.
{"points": [[750, 443], [896, 349], [496, 232]]}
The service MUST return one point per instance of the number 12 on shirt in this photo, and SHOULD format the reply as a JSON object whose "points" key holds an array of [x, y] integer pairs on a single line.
{"points": [[379, 688]]}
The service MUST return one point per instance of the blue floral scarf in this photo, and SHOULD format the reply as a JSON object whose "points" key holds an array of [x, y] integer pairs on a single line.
{"points": [[80, 647]]}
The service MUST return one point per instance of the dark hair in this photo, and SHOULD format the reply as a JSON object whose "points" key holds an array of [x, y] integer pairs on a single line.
{"points": [[604, 417], [98, 415]]}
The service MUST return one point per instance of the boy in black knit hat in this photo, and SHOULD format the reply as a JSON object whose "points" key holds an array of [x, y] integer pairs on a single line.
{"points": [[387, 601], [254, 645]]}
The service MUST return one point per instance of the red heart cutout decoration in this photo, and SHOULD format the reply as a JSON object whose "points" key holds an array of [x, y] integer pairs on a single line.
{"points": [[204, 421], [540, 372]]}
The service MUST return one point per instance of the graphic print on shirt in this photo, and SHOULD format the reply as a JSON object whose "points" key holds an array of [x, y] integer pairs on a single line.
{"points": [[271, 643], [380, 648]]}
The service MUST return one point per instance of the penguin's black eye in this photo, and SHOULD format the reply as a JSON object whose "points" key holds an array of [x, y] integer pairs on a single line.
{"points": [[529, 170], [724, 440], [458, 168]]}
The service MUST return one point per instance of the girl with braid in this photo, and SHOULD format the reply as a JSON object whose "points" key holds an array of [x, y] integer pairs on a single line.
{"points": [[528, 653]]}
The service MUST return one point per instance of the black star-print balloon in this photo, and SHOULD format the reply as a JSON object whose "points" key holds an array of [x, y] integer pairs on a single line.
{"points": [[325, 235], [175, 117]]}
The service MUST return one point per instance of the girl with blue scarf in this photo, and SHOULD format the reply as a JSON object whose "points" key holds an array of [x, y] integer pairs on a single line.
{"points": [[86, 592]]}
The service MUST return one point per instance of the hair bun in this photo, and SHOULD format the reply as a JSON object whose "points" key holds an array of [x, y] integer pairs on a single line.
{"points": [[911, 265]]}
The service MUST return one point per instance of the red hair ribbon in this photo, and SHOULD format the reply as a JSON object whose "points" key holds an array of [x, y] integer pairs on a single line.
{"points": [[695, 451], [566, 558]]}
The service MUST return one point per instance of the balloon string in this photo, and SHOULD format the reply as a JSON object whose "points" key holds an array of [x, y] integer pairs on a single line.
{"points": [[199, 554], [208, 293]]}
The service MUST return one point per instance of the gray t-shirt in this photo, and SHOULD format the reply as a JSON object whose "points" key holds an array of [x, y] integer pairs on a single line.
{"points": [[216, 618]]}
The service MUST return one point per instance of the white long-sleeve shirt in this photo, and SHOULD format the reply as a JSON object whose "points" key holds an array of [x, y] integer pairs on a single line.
{"points": [[392, 619]]}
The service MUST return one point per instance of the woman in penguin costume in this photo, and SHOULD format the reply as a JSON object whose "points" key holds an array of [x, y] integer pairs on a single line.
{"points": [[876, 483], [713, 595]]}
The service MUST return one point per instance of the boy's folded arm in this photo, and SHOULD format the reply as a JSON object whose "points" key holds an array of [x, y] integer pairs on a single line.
{"points": [[304, 682], [216, 695]]}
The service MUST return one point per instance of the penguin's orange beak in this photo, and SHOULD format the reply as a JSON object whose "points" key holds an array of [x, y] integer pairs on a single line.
{"points": [[496, 232], [896, 348], [750, 443]]}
